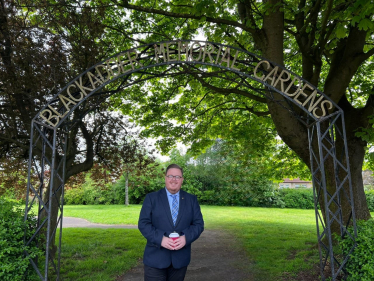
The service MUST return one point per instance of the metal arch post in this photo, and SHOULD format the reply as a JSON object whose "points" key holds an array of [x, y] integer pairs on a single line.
{"points": [[327, 215], [50, 203], [65, 132], [349, 178], [27, 207], [327, 149], [29, 176], [315, 168]]}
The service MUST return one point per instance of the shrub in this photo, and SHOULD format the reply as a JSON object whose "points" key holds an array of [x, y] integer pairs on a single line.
{"points": [[370, 200], [14, 265], [360, 265], [301, 198], [89, 194], [74, 196], [92, 193]]}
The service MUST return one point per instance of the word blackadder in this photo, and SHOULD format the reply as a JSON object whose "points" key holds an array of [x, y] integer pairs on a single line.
{"points": [[181, 52]]}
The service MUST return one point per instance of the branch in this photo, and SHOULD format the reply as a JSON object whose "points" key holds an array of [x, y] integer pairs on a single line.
{"points": [[88, 163], [286, 28], [257, 113], [325, 18], [228, 91], [121, 31], [186, 16], [249, 109], [365, 56], [368, 110], [236, 41], [314, 12], [323, 40]]}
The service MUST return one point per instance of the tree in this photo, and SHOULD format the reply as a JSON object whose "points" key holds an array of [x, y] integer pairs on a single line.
{"points": [[328, 42], [43, 45], [13, 177], [139, 183], [135, 160], [229, 177]]}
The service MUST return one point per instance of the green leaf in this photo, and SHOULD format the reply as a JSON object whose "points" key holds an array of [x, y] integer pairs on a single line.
{"points": [[340, 31], [365, 24]]}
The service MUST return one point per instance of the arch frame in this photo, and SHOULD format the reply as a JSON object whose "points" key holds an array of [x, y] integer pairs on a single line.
{"points": [[322, 117]]}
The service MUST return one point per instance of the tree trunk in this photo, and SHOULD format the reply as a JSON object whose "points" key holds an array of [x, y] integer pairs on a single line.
{"points": [[54, 211], [127, 189], [356, 152]]}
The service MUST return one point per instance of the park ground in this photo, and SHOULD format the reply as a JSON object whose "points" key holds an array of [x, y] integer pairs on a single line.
{"points": [[252, 244], [216, 255]]}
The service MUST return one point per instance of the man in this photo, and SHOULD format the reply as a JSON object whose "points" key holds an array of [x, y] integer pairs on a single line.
{"points": [[166, 259]]}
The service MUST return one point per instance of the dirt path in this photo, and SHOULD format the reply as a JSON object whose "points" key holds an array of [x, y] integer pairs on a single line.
{"points": [[215, 257], [77, 222]]}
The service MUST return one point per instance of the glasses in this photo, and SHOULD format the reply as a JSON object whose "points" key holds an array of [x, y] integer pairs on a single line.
{"points": [[174, 177]]}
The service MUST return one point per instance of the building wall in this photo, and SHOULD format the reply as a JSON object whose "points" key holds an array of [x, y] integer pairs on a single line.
{"points": [[295, 185]]}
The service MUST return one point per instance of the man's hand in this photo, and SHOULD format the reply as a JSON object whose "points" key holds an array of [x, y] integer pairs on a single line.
{"points": [[167, 243], [171, 244], [180, 242]]}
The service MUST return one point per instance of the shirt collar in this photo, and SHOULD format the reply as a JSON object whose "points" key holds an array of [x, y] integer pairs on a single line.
{"points": [[169, 194]]}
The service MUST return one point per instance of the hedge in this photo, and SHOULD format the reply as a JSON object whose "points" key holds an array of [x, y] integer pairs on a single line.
{"points": [[14, 265], [360, 265]]}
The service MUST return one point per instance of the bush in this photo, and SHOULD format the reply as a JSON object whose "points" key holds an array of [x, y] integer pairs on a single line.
{"points": [[370, 200], [257, 192], [360, 265], [14, 265], [301, 198], [263, 193], [89, 194], [74, 196]]}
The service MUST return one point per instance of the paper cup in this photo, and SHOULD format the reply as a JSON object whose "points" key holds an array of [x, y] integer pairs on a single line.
{"points": [[174, 235]]}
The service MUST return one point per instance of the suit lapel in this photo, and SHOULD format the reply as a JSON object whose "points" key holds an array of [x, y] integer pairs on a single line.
{"points": [[182, 206], [165, 202]]}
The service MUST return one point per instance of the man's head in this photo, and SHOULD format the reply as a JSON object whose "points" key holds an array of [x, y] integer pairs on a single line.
{"points": [[173, 178]]}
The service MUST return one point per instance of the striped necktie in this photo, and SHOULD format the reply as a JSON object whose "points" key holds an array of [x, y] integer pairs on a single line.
{"points": [[175, 207]]}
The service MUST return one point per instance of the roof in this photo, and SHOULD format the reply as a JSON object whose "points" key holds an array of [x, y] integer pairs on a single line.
{"points": [[297, 180]]}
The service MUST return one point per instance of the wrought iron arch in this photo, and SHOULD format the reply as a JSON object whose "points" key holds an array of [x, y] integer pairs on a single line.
{"points": [[322, 117]]}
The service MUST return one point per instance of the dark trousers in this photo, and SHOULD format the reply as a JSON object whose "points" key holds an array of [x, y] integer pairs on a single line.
{"points": [[164, 274]]}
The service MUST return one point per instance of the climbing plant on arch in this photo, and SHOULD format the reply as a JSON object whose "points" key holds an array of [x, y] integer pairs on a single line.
{"points": [[323, 119]]}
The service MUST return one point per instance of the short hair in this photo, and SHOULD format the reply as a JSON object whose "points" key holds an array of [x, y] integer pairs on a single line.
{"points": [[174, 166]]}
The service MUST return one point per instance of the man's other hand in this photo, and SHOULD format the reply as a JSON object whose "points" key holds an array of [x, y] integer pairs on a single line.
{"points": [[167, 243], [180, 242]]}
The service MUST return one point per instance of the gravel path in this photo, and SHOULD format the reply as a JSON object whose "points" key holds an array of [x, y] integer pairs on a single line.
{"points": [[76, 222]]}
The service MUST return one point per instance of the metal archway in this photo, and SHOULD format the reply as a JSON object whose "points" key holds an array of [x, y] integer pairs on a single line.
{"points": [[322, 117]]}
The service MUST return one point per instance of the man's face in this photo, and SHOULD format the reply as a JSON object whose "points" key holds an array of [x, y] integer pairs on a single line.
{"points": [[173, 185]]}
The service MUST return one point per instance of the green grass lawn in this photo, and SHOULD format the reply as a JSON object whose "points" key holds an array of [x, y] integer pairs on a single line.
{"points": [[107, 214], [276, 240], [99, 254]]}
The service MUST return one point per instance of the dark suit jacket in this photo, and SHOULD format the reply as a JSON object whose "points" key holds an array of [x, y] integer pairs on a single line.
{"points": [[155, 222]]}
